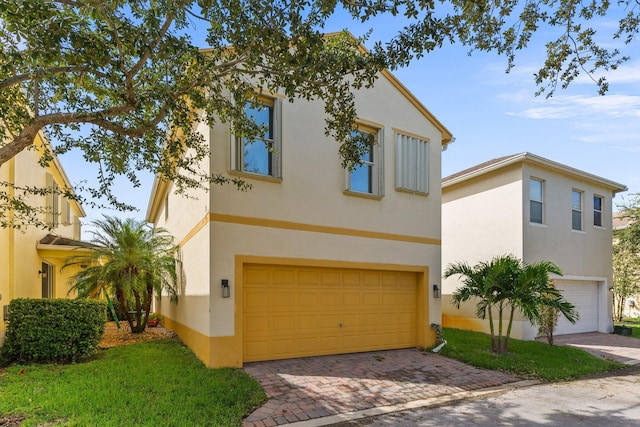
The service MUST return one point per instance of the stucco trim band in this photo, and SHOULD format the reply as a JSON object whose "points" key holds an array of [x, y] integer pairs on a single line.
{"points": [[298, 226]]}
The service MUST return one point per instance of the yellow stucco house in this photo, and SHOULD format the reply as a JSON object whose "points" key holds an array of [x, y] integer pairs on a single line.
{"points": [[31, 259], [535, 209], [313, 260]]}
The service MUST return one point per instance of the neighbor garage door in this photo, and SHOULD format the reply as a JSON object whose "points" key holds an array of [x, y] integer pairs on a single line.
{"points": [[584, 295], [301, 311]]}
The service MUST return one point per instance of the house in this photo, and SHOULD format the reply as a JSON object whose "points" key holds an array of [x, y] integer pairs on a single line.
{"points": [[535, 209], [314, 260], [31, 259], [628, 306]]}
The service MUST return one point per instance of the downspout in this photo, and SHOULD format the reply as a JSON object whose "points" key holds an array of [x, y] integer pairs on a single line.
{"points": [[436, 327]]}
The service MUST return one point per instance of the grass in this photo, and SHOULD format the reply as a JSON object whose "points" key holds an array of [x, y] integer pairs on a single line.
{"points": [[149, 384], [526, 359], [634, 325]]}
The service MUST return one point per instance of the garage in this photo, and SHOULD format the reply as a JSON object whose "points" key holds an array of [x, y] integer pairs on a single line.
{"points": [[297, 311], [584, 295]]}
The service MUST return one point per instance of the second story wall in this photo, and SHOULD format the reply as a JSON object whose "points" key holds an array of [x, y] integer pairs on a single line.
{"points": [[576, 227], [311, 187], [482, 218]]}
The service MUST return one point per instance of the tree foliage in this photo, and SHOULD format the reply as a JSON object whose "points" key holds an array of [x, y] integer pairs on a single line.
{"points": [[626, 257], [123, 82], [506, 285], [130, 260]]}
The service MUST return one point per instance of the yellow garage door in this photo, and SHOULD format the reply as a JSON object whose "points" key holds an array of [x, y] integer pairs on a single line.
{"points": [[301, 311]]}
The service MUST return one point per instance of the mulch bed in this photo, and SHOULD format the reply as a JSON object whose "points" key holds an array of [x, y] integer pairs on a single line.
{"points": [[114, 337]]}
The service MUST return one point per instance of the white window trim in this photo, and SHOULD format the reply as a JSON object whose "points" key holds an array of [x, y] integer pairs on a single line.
{"points": [[542, 183], [411, 175], [236, 161], [602, 209], [378, 166], [581, 229]]}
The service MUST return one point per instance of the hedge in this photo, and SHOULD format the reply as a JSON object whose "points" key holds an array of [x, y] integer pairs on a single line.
{"points": [[53, 330]]}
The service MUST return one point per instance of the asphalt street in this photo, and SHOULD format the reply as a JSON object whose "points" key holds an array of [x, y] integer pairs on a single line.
{"points": [[598, 401]]}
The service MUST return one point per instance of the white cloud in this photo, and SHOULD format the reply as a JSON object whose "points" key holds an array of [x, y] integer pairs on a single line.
{"points": [[565, 107]]}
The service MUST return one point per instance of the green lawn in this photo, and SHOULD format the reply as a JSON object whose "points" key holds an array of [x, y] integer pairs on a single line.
{"points": [[526, 359], [160, 383]]}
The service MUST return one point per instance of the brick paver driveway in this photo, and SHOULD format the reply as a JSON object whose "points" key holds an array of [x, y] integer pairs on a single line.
{"points": [[608, 346], [313, 387]]}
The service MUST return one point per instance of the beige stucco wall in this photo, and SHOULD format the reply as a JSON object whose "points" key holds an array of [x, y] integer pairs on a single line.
{"points": [[481, 221], [581, 253], [308, 206]]}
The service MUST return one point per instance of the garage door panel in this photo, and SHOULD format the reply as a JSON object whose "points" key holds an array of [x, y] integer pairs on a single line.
{"points": [[584, 295], [301, 311], [308, 300]]}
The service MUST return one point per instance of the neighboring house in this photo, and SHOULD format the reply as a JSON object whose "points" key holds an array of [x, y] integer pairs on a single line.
{"points": [[30, 259], [631, 307], [313, 260], [535, 209]]}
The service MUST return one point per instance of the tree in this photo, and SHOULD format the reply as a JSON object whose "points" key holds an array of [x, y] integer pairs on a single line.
{"points": [[124, 83], [131, 260], [506, 285], [626, 257]]}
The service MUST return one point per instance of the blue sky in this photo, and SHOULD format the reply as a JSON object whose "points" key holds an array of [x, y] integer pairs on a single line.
{"points": [[493, 114]]}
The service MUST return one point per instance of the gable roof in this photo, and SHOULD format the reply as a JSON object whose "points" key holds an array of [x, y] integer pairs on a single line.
{"points": [[526, 157]]}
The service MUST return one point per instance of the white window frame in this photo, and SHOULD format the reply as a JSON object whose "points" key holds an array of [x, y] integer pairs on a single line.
{"points": [[237, 151], [541, 201], [412, 163], [601, 211], [579, 210], [377, 183]]}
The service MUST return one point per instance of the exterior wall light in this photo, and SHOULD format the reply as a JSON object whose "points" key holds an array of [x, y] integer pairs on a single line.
{"points": [[226, 289], [436, 291]]}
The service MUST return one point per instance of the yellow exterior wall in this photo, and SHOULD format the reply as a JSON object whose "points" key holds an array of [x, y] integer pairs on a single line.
{"points": [[20, 260]]}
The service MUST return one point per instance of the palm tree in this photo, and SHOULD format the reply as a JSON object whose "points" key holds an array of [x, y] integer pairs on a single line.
{"points": [[485, 282], [507, 284], [131, 260]]}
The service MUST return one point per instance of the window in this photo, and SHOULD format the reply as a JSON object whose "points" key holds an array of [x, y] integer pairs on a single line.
{"points": [[598, 203], [46, 274], [66, 212], [536, 201], [51, 207], [365, 177], [261, 155], [576, 210], [412, 164]]}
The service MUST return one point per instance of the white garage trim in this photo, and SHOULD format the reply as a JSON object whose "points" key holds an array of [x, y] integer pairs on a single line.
{"points": [[584, 296]]}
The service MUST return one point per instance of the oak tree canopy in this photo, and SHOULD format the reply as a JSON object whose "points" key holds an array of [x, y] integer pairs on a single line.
{"points": [[122, 80]]}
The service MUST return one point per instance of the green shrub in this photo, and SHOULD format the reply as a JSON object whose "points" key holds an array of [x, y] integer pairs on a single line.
{"points": [[59, 331]]}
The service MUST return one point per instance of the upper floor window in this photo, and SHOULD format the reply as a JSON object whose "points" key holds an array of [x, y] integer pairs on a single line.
{"points": [[365, 177], [576, 210], [412, 164], [52, 207], [536, 200], [598, 203], [261, 155]]}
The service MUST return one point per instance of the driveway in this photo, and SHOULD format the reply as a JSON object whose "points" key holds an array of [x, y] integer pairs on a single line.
{"points": [[315, 387], [605, 400], [608, 346]]}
